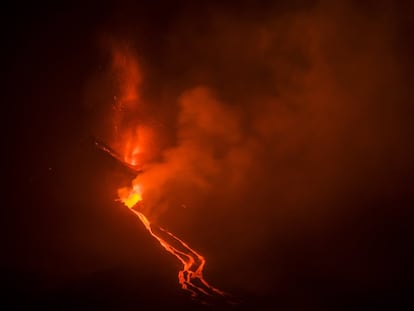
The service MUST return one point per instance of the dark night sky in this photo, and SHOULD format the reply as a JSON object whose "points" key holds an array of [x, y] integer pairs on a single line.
{"points": [[68, 244]]}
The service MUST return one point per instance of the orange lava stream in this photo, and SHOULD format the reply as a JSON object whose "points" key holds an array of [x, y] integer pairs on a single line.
{"points": [[190, 276], [193, 263]]}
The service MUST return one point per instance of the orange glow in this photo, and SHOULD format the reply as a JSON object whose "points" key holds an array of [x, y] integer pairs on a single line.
{"points": [[135, 144], [130, 196], [129, 76], [127, 103]]}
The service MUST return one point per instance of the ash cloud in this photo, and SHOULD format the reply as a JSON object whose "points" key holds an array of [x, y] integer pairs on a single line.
{"points": [[287, 123]]}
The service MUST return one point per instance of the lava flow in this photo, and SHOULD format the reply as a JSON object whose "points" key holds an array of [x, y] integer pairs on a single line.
{"points": [[190, 276]]}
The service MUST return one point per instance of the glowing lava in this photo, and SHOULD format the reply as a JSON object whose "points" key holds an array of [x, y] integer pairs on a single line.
{"points": [[190, 276], [130, 197]]}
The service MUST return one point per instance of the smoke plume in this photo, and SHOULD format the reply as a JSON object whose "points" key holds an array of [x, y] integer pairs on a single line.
{"points": [[273, 125]]}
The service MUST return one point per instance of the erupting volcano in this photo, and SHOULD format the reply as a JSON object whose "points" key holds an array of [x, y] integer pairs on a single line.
{"points": [[130, 142], [208, 155]]}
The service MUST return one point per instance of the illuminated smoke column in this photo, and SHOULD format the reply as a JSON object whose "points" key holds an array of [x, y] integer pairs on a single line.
{"points": [[278, 123]]}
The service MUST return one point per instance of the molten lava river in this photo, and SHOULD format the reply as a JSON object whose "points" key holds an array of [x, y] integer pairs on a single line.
{"points": [[190, 277]]}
